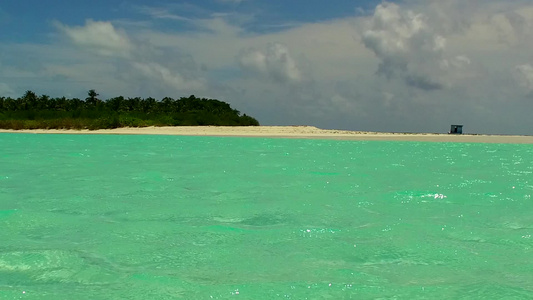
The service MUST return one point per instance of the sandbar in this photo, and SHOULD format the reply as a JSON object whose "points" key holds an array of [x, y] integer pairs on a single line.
{"points": [[301, 132]]}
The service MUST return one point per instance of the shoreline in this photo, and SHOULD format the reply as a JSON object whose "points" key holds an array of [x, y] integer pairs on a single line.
{"points": [[298, 132]]}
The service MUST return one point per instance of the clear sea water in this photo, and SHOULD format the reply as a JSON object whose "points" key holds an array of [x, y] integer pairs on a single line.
{"points": [[172, 217]]}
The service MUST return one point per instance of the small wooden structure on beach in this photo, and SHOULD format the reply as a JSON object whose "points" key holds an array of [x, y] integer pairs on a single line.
{"points": [[456, 129]]}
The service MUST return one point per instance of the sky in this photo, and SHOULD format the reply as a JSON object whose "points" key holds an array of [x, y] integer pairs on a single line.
{"points": [[398, 66]]}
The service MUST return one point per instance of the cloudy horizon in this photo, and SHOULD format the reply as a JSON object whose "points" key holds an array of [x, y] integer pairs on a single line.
{"points": [[397, 66]]}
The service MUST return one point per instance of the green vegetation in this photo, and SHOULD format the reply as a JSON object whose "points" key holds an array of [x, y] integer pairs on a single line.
{"points": [[32, 112]]}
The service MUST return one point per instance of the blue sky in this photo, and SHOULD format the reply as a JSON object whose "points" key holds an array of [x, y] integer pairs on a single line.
{"points": [[31, 20], [412, 65]]}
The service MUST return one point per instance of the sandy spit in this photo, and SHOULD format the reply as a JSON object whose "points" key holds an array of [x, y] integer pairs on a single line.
{"points": [[302, 132]]}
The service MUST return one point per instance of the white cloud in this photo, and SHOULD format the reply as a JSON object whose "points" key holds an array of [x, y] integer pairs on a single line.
{"points": [[218, 26], [275, 63], [155, 67], [101, 37], [409, 48], [161, 13], [458, 62], [157, 72], [524, 75]]}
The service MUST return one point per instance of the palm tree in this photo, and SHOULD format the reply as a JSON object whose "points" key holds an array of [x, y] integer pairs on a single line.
{"points": [[92, 100], [29, 100]]}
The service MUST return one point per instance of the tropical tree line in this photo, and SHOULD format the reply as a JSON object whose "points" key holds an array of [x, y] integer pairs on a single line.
{"points": [[32, 112]]}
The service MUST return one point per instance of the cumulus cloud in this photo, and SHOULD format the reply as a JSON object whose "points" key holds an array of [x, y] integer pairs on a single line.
{"points": [[160, 67], [409, 48], [169, 77], [511, 27], [101, 37], [275, 63], [524, 75]]}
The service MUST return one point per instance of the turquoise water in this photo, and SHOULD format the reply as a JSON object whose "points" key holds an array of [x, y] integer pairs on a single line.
{"points": [[169, 217]]}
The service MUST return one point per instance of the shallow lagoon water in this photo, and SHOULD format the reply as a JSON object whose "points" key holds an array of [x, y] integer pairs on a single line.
{"points": [[173, 217]]}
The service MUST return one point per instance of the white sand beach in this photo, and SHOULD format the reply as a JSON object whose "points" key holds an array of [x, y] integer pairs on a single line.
{"points": [[303, 132]]}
